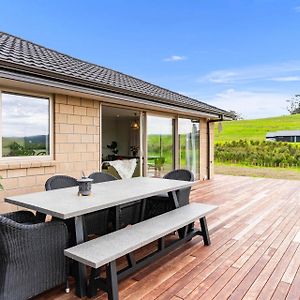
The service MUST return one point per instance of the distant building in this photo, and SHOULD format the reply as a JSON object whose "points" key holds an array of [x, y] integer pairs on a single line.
{"points": [[292, 136]]}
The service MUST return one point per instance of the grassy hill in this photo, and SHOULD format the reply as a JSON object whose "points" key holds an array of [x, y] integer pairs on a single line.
{"points": [[255, 129]]}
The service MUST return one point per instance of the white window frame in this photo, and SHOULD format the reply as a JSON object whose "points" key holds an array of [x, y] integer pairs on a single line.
{"points": [[50, 124]]}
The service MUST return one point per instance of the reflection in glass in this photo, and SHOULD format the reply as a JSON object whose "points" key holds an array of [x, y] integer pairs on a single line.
{"points": [[160, 145], [25, 126], [189, 145]]}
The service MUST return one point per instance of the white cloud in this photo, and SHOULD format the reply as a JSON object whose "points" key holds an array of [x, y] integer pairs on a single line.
{"points": [[252, 73], [297, 9], [287, 78], [24, 119], [251, 105], [175, 58]]}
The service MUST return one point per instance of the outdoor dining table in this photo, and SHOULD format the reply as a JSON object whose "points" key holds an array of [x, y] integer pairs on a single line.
{"points": [[65, 204]]}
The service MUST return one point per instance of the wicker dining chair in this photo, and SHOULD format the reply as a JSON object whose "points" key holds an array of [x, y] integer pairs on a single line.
{"points": [[99, 222], [31, 255], [160, 204], [59, 182], [129, 213]]}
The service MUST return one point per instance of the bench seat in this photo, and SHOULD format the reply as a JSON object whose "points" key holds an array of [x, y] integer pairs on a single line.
{"points": [[106, 249]]}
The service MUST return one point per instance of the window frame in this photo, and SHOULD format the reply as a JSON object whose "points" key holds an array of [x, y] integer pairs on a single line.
{"points": [[50, 124]]}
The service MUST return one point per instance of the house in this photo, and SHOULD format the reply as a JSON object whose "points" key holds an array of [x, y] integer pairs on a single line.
{"points": [[284, 136], [63, 115]]}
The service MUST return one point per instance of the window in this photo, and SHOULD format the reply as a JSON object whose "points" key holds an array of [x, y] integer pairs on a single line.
{"points": [[25, 129]]}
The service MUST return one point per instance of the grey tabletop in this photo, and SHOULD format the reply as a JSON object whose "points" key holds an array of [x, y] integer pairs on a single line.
{"points": [[65, 203]]}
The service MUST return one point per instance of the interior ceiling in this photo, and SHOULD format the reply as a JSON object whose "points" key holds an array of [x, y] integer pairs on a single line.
{"points": [[114, 112]]}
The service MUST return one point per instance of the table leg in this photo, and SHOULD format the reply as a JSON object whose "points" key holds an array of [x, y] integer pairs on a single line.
{"points": [[81, 269], [117, 217], [143, 208], [173, 196]]}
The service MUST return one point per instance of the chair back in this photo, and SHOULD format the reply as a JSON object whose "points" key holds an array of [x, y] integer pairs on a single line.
{"points": [[97, 222], [99, 177], [59, 182], [6, 236], [26, 251], [183, 195], [180, 174]]}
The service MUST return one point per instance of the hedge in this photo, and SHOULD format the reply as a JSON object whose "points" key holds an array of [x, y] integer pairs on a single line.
{"points": [[259, 153]]}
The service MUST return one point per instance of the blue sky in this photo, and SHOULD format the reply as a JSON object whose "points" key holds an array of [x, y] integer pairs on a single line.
{"points": [[236, 54]]}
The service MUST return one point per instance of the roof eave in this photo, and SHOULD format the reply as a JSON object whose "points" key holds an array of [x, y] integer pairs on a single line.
{"points": [[52, 75]]}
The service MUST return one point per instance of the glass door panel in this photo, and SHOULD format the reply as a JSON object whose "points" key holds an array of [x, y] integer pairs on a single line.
{"points": [[160, 145], [189, 145]]}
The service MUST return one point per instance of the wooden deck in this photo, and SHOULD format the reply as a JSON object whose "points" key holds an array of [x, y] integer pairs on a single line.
{"points": [[255, 250]]}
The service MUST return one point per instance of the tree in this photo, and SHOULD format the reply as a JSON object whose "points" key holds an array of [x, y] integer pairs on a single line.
{"points": [[237, 116], [294, 105]]}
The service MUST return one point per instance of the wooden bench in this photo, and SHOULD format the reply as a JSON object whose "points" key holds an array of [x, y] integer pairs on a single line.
{"points": [[106, 249]]}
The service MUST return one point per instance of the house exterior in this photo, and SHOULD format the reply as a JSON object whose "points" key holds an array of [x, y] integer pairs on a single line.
{"points": [[54, 109], [292, 136]]}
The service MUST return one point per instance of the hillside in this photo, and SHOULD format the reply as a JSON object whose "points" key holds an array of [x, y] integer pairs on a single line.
{"points": [[255, 129]]}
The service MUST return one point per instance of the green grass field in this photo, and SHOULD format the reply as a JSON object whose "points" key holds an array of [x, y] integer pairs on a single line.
{"points": [[255, 129]]}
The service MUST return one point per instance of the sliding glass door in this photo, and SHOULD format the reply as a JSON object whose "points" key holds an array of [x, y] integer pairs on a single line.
{"points": [[189, 145], [160, 145]]}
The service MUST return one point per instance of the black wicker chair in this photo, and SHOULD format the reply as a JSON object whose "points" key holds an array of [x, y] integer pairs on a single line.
{"points": [[160, 204], [59, 182], [95, 223], [98, 222], [99, 177], [129, 213], [31, 255]]}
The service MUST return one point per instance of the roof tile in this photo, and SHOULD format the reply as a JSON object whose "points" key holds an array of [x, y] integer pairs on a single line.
{"points": [[27, 54]]}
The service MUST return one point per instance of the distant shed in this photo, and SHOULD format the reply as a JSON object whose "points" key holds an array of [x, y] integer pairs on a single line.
{"points": [[292, 136]]}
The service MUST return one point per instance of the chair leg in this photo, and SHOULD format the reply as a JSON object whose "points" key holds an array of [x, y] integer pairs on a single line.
{"points": [[204, 230], [67, 286], [112, 281]]}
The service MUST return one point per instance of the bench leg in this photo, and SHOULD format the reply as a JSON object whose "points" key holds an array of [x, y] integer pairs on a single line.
{"points": [[92, 288], [112, 281], [204, 231]]}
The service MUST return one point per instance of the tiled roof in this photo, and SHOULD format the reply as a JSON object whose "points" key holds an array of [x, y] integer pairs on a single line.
{"points": [[283, 133], [25, 55]]}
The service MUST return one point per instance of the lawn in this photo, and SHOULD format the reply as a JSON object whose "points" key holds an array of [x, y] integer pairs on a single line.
{"points": [[238, 170], [255, 129]]}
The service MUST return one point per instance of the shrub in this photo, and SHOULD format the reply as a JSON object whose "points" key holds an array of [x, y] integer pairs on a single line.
{"points": [[260, 153]]}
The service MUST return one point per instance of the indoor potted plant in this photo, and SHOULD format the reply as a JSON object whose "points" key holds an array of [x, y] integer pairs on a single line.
{"points": [[134, 150], [114, 149]]}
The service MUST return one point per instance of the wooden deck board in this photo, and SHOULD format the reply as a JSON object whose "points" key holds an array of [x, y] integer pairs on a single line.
{"points": [[255, 250]]}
